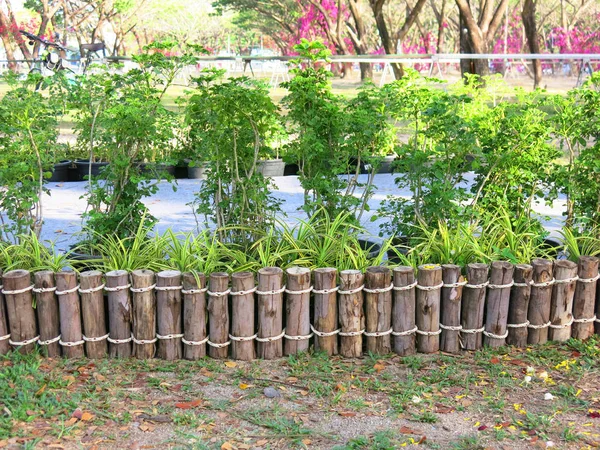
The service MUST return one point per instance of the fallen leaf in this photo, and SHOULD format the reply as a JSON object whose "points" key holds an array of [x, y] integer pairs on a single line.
{"points": [[291, 379], [226, 446], [347, 413], [231, 365], [495, 360], [188, 405], [86, 416], [482, 427], [41, 390], [245, 386], [77, 414], [306, 441], [443, 409], [423, 439], [71, 421], [378, 367], [407, 430], [594, 414], [261, 442], [340, 387]]}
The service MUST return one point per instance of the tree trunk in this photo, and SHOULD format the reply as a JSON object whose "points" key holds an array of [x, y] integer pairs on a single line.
{"points": [[47, 312], [529, 23], [144, 313], [403, 311], [297, 310], [242, 316], [93, 314], [325, 311], [169, 326]]}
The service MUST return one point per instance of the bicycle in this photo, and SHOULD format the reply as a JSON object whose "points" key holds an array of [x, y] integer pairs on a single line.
{"points": [[50, 62]]}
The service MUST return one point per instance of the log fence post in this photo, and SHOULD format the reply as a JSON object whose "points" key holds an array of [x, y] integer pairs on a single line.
{"points": [[270, 313], [520, 294], [4, 330], [194, 316], [403, 311], [242, 316], [67, 291], [539, 303], [218, 315], [585, 297], [119, 314], [450, 308], [93, 314], [168, 312], [325, 322], [561, 305], [351, 313], [143, 304], [378, 309], [47, 312], [473, 304], [17, 289], [297, 335], [429, 289], [498, 297]]}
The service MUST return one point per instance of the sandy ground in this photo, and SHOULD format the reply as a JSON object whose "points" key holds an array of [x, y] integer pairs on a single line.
{"points": [[64, 206]]}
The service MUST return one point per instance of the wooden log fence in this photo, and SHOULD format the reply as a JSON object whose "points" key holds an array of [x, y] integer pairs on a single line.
{"points": [[174, 316]]}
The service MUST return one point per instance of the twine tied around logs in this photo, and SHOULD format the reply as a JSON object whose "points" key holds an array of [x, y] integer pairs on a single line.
{"points": [[49, 341], [68, 291], [202, 342], [71, 344], [564, 325], [455, 285], [117, 288], [194, 291], [142, 289], [243, 338], [539, 327], [298, 338], [324, 333], [168, 288], [585, 320], [495, 336], [273, 292], [23, 343], [405, 333], [472, 331], [90, 290], [17, 291], [406, 288], [428, 333], [379, 333], [451, 327], [518, 325], [43, 290], [95, 339], [379, 290], [272, 338]]}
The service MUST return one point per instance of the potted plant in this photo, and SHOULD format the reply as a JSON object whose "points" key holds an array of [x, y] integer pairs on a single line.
{"points": [[232, 121], [28, 138], [129, 123]]}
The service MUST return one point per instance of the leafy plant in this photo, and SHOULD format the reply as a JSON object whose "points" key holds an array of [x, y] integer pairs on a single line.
{"points": [[433, 161], [233, 121], [579, 243], [121, 117], [28, 139], [32, 254]]}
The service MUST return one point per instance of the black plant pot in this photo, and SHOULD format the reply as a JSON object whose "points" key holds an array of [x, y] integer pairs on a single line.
{"points": [[553, 248], [60, 171], [372, 247], [181, 171], [400, 245], [156, 168], [83, 168], [290, 170]]}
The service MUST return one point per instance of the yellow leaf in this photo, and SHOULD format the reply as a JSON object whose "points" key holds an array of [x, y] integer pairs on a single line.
{"points": [[306, 441], [86, 416], [261, 442], [226, 446], [231, 365], [41, 390], [245, 386], [576, 393], [477, 424]]}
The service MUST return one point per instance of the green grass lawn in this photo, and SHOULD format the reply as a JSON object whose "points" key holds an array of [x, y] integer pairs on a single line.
{"points": [[467, 401]]}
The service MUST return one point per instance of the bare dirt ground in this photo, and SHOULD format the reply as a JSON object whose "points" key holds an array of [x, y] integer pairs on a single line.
{"points": [[510, 398]]}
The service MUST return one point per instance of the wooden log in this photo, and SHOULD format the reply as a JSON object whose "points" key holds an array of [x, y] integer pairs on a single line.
{"points": [[378, 309], [450, 308], [4, 329], [47, 313], [326, 311], [119, 314], [561, 305], [270, 313], [143, 305], [429, 290], [519, 305], [497, 302], [403, 311], [19, 309], [585, 297], [194, 316], [168, 312], [93, 314], [539, 303], [69, 307], [297, 327], [472, 308], [218, 315], [351, 313], [242, 316]]}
